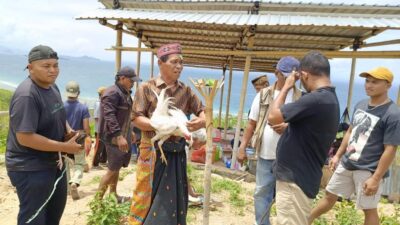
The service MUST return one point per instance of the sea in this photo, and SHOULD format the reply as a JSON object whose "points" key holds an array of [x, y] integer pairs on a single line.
{"points": [[91, 73]]}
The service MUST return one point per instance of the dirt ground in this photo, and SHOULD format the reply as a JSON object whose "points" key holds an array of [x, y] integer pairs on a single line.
{"points": [[75, 212]]}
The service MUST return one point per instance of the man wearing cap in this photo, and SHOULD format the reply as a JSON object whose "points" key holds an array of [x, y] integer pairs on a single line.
{"points": [[266, 137], [367, 149], [78, 118], [115, 128], [161, 193], [303, 147], [260, 83], [37, 128], [100, 150]]}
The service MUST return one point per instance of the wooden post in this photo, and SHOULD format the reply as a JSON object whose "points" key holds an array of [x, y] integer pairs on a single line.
{"points": [[228, 98], [118, 52], [208, 92], [221, 99], [139, 54], [398, 97], [152, 65], [241, 104], [351, 84]]}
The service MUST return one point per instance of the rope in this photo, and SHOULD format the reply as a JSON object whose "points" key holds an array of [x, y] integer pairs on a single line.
{"points": [[48, 199]]}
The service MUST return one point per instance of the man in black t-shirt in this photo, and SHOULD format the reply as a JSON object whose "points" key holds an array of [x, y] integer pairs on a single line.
{"points": [[303, 147], [37, 128]]}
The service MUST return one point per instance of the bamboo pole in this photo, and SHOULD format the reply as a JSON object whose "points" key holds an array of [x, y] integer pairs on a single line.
{"points": [[241, 104], [152, 65], [351, 84], [228, 98], [118, 52], [221, 99], [139, 55], [208, 92]]}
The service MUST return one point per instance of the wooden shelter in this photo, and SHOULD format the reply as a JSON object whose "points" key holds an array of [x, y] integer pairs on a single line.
{"points": [[248, 35]]}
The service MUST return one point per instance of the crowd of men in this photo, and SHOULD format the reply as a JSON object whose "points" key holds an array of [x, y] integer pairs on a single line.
{"points": [[291, 130]]}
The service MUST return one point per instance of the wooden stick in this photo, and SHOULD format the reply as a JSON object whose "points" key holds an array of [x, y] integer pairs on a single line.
{"points": [[228, 98], [351, 84]]}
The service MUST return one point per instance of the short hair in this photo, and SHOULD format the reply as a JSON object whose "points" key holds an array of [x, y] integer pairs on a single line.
{"points": [[164, 58], [315, 63], [261, 80]]}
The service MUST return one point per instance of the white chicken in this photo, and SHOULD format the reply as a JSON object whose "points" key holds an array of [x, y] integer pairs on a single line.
{"points": [[168, 121]]}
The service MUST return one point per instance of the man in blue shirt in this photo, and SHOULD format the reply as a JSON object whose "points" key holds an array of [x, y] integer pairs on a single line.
{"points": [[78, 118]]}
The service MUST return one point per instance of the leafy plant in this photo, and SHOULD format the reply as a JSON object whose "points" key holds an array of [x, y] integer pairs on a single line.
{"points": [[393, 219], [346, 214], [107, 211]]}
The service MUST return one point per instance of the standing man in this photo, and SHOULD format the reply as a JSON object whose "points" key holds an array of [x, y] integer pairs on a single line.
{"points": [[267, 137], [78, 118], [115, 128], [303, 146], [37, 128], [161, 193], [368, 149], [100, 149]]}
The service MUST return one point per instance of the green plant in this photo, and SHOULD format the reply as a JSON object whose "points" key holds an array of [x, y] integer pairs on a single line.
{"points": [[107, 211], [4, 120], [125, 173], [346, 214], [5, 98], [393, 219]]}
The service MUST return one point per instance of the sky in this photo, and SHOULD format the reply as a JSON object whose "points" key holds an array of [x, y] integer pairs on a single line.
{"points": [[27, 23]]}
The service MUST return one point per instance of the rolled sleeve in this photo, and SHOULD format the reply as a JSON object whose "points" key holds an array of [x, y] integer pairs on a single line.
{"points": [[140, 103], [195, 105]]}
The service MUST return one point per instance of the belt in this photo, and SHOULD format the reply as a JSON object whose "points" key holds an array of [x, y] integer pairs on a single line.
{"points": [[174, 138]]}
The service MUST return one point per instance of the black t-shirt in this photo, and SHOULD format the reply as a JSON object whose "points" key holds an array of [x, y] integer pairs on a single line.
{"points": [[303, 147], [37, 110]]}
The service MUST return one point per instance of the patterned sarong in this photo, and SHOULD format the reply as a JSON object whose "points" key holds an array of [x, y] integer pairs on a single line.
{"points": [[161, 193]]}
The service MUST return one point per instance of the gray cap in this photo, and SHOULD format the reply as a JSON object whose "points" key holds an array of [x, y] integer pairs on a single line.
{"points": [[128, 71], [287, 64], [72, 89], [41, 52]]}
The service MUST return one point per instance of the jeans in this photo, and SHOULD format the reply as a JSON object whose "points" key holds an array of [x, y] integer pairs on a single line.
{"points": [[265, 190], [33, 188]]}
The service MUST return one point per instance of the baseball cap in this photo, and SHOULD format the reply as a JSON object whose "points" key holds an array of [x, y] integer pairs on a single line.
{"points": [[72, 89], [128, 71], [287, 64], [168, 49], [380, 73], [41, 52]]}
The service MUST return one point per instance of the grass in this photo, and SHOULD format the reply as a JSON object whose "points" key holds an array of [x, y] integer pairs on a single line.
{"points": [[5, 98]]}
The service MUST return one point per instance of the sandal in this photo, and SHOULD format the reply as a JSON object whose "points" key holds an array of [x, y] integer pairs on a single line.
{"points": [[123, 199]]}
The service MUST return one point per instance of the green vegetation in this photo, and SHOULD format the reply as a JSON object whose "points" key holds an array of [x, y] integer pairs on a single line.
{"points": [[5, 98], [107, 211], [232, 121]]}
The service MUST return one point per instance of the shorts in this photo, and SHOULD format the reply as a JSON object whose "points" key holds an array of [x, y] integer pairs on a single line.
{"points": [[345, 182], [117, 158]]}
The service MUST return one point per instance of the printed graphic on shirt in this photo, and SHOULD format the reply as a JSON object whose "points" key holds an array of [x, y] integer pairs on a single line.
{"points": [[363, 124]]}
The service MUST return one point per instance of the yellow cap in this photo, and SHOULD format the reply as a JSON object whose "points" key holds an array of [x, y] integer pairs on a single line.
{"points": [[101, 90], [380, 73]]}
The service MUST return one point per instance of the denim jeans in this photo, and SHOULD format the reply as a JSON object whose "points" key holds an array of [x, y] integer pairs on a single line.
{"points": [[33, 188], [265, 190]]}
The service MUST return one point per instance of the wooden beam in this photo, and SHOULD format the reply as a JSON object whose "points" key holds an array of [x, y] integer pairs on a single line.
{"points": [[221, 99], [152, 65], [382, 43], [118, 52], [278, 54], [138, 58], [228, 98], [351, 85], [241, 103]]}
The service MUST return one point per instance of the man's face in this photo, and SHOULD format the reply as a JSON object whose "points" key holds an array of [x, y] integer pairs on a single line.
{"points": [[172, 68], [376, 87], [44, 72], [126, 82]]}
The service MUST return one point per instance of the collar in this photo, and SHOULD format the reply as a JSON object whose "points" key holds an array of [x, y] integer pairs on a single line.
{"points": [[160, 82], [123, 89]]}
